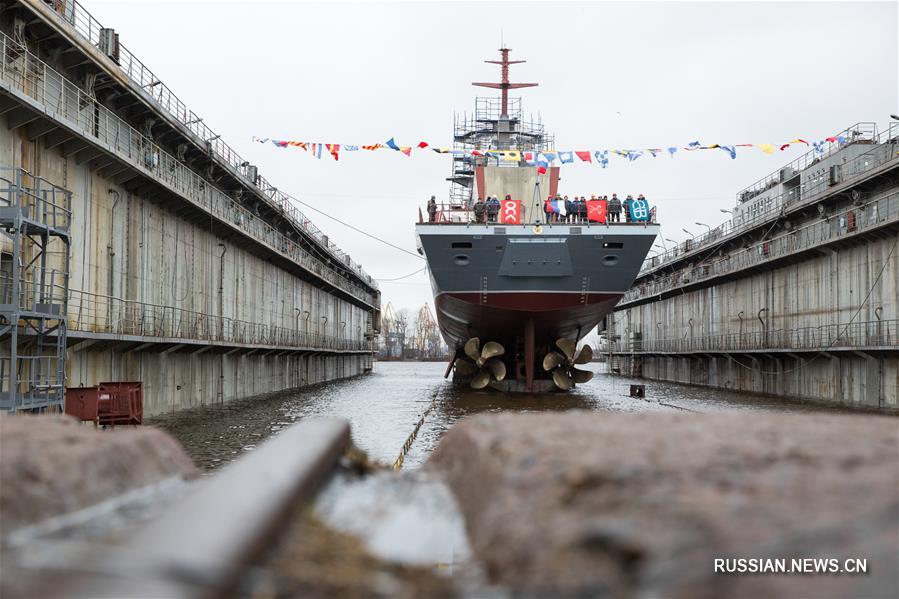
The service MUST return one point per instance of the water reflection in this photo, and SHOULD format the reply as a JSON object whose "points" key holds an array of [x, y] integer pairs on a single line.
{"points": [[383, 408]]}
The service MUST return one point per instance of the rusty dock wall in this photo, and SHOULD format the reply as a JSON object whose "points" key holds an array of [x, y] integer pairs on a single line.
{"points": [[796, 296], [188, 270]]}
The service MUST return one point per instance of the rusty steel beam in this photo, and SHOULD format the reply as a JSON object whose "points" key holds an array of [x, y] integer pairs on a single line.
{"points": [[203, 543]]}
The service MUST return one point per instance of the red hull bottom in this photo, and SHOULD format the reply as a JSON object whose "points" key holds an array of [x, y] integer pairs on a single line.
{"points": [[502, 317]]}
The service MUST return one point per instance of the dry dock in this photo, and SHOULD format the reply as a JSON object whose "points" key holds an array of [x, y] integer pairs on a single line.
{"points": [[796, 296], [189, 271]]}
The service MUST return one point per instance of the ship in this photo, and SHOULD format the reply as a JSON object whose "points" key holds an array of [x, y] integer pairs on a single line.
{"points": [[514, 294]]}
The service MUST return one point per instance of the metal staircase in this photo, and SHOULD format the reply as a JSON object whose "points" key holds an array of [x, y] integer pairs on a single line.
{"points": [[35, 220]]}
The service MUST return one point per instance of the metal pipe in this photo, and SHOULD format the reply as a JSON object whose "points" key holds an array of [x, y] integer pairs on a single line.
{"points": [[111, 252], [222, 290], [764, 326]]}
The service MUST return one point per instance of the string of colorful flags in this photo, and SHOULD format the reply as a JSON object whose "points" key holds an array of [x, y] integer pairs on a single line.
{"points": [[547, 158]]}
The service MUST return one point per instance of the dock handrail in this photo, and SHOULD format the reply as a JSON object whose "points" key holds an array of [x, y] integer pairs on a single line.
{"points": [[63, 100], [882, 152], [857, 133], [75, 17], [852, 221], [867, 334], [97, 313]]}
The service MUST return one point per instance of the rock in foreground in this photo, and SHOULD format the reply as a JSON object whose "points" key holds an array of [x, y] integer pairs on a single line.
{"points": [[594, 504], [53, 465]]}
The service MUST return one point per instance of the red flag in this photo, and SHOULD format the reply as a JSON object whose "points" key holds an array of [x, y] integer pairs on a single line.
{"points": [[422, 145], [510, 212], [596, 211], [784, 147], [334, 149], [541, 170], [585, 156]]}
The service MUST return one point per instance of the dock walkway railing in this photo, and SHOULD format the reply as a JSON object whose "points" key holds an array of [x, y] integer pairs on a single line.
{"points": [[875, 334], [95, 313], [72, 15], [868, 216], [62, 100], [884, 149]]}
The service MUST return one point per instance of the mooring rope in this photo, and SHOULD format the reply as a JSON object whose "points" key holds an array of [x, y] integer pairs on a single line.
{"points": [[398, 462]]}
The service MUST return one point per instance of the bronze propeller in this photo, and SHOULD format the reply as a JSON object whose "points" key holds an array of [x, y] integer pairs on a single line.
{"points": [[565, 375]]}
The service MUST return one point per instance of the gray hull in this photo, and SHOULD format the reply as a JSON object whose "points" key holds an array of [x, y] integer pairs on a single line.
{"points": [[489, 280]]}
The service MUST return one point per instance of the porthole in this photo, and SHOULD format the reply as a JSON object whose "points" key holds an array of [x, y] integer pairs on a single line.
{"points": [[460, 260], [609, 260]]}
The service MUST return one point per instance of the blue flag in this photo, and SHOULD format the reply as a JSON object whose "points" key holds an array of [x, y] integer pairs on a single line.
{"points": [[602, 157], [566, 157], [730, 150], [639, 210], [392, 144]]}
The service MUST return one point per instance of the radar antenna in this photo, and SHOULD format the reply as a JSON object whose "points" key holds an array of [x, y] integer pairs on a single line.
{"points": [[504, 84]]}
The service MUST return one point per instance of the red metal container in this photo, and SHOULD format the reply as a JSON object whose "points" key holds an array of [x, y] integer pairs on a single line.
{"points": [[107, 403], [81, 402], [121, 403]]}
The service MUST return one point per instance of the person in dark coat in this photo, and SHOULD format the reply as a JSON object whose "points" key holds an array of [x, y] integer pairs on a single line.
{"points": [[614, 209], [480, 210], [432, 209], [492, 208]]}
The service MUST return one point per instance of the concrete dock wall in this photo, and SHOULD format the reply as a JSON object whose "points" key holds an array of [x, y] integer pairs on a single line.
{"points": [[802, 301], [174, 381], [183, 274], [129, 247]]}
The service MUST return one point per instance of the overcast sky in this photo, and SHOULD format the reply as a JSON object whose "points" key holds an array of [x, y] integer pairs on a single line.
{"points": [[612, 75]]}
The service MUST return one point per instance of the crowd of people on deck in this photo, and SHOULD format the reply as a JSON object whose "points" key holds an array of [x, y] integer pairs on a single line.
{"points": [[558, 208]]}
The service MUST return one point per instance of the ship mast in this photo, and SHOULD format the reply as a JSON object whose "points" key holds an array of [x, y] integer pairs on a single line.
{"points": [[504, 84]]}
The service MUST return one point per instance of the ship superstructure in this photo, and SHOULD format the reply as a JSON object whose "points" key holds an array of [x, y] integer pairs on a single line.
{"points": [[513, 298]]}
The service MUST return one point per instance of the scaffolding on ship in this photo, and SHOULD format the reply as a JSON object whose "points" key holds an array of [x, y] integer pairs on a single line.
{"points": [[497, 123]]}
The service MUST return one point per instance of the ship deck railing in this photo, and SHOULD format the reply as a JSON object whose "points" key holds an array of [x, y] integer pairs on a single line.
{"points": [[459, 214]]}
